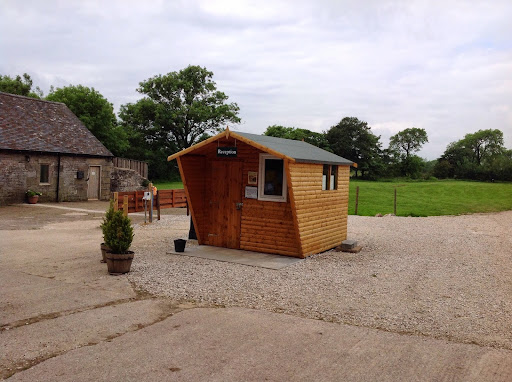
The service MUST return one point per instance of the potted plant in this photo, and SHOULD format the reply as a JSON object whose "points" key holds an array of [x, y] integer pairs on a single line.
{"points": [[118, 237], [33, 196], [108, 217]]}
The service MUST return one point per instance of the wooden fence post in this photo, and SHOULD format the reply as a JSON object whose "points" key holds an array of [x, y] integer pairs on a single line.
{"points": [[125, 205], [357, 199], [158, 203], [150, 189], [116, 201], [394, 209]]}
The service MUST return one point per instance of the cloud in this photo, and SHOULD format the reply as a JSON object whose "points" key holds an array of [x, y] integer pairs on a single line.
{"points": [[443, 66]]}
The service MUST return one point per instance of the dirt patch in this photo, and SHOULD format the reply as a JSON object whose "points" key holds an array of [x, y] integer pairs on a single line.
{"points": [[29, 216]]}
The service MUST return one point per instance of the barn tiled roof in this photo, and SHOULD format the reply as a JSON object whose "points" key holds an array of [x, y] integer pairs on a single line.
{"points": [[30, 124]]}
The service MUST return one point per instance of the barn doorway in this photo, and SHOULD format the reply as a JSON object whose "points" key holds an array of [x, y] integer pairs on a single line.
{"points": [[225, 204], [93, 184]]}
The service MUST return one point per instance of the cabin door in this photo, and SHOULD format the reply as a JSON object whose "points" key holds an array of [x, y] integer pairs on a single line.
{"points": [[225, 204]]}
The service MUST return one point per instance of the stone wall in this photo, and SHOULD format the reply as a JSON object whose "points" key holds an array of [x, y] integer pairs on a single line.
{"points": [[123, 179], [20, 172]]}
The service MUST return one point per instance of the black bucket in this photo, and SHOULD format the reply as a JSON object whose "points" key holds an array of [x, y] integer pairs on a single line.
{"points": [[179, 245]]}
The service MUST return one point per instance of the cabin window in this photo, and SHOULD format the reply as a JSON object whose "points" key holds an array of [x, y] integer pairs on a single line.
{"points": [[330, 177], [272, 179], [334, 178], [44, 173]]}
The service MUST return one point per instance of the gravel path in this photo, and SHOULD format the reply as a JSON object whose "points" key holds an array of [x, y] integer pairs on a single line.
{"points": [[447, 277]]}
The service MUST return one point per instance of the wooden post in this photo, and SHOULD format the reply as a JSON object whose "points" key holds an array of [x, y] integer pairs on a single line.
{"points": [[116, 201], [394, 209], [158, 203], [357, 199], [172, 198], [125, 205], [150, 189]]}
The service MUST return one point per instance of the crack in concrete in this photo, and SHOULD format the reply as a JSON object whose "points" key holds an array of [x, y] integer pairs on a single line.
{"points": [[171, 310]]}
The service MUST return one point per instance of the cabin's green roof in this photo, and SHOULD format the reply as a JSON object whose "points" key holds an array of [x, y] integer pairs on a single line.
{"points": [[298, 150]]}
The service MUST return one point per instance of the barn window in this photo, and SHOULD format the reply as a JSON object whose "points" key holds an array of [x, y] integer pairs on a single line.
{"points": [[44, 173], [272, 179], [330, 177]]}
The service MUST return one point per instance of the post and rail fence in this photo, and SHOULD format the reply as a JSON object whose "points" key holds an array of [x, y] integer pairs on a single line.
{"points": [[132, 201], [357, 202]]}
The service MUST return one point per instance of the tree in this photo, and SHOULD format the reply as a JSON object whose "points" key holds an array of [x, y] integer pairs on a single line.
{"points": [[353, 139], [484, 144], [182, 106], [311, 137], [178, 109], [408, 141], [479, 155], [96, 113], [20, 86]]}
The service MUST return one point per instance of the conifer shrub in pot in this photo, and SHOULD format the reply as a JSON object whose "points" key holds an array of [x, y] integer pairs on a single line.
{"points": [[119, 237], [108, 216]]}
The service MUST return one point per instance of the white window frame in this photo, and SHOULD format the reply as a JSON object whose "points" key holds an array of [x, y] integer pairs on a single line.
{"points": [[261, 182], [330, 183]]}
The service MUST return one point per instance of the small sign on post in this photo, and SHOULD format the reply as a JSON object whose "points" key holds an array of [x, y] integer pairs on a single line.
{"points": [[146, 197]]}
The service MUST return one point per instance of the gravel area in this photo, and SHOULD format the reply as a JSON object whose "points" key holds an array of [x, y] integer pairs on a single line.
{"points": [[446, 277]]}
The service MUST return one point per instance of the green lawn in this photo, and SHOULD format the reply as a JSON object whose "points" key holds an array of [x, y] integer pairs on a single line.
{"points": [[168, 185], [450, 197], [430, 198]]}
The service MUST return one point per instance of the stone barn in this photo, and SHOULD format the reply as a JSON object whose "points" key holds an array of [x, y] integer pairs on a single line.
{"points": [[44, 147]]}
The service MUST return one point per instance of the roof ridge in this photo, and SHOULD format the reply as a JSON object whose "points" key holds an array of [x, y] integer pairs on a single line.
{"points": [[31, 98]]}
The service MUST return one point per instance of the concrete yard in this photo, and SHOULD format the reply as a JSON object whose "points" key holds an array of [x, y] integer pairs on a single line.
{"points": [[62, 317]]}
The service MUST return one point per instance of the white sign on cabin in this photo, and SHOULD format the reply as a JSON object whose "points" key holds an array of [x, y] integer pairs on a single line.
{"points": [[251, 192]]}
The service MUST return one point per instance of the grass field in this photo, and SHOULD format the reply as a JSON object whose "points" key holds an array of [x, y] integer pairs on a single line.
{"points": [[168, 185], [448, 197], [430, 198]]}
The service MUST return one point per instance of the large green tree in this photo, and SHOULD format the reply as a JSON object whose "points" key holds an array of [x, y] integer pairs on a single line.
{"points": [[177, 110], [20, 85], [317, 139], [95, 112], [483, 145], [408, 141], [479, 155], [353, 139]]}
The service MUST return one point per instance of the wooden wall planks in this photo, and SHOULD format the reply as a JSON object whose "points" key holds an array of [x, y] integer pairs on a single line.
{"points": [[321, 215], [264, 226]]}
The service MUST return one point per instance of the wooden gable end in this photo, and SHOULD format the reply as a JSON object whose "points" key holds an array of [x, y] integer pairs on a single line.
{"points": [[321, 215]]}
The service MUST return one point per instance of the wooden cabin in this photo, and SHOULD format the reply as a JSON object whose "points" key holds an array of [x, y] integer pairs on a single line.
{"points": [[265, 194]]}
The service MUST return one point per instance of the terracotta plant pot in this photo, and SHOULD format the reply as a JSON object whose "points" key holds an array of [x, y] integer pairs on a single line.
{"points": [[104, 248], [119, 263], [33, 199]]}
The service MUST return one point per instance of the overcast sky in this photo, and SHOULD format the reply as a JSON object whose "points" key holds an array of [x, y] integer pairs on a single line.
{"points": [[443, 66]]}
